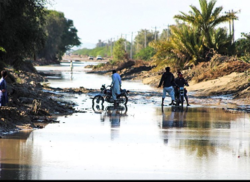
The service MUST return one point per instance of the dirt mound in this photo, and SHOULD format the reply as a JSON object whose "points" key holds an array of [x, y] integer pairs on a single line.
{"points": [[218, 66]]}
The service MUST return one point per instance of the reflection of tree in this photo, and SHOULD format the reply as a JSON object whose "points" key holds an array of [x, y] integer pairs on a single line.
{"points": [[200, 136], [200, 147], [16, 157]]}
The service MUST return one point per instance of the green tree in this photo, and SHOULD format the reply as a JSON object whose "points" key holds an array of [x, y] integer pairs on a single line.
{"points": [[165, 34], [140, 39], [119, 50], [21, 30], [205, 20], [145, 54], [61, 36], [183, 48], [221, 41], [243, 47], [69, 37]]}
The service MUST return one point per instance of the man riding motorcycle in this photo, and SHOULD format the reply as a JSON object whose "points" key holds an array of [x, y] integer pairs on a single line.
{"points": [[181, 82]]}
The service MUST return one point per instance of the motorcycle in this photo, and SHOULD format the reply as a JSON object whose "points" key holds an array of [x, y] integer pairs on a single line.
{"points": [[106, 95], [179, 95]]}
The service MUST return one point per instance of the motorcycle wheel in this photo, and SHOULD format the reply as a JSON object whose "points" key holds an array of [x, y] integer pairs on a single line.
{"points": [[98, 100], [123, 99]]}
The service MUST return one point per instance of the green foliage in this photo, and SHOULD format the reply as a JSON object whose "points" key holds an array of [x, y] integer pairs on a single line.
{"points": [[140, 39], [21, 31], [145, 54], [196, 39], [119, 50], [246, 57], [243, 46], [99, 65], [2, 49], [221, 41], [102, 51], [61, 36], [205, 20], [112, 62]]}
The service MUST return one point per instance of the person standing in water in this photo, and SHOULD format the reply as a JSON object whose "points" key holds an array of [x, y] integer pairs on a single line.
{"points": [[71, 66]]}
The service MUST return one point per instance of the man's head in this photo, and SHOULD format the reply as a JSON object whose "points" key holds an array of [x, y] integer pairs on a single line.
{"points": [[114, 71], [4, 73], [180, 75], [167, 69]]}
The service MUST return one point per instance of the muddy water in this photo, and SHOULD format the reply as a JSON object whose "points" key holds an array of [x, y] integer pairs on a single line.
{"points": [[139, 141]]}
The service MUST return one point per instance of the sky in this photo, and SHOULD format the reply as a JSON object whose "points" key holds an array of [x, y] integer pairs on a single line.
{"points": [[111, 19]]}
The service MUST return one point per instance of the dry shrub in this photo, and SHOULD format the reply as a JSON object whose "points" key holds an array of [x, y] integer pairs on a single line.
{"points": [[126, 64], [217, 67], [139, 63]]}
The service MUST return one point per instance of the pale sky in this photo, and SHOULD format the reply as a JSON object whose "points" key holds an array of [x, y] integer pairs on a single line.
{"points": [[106, 19]]}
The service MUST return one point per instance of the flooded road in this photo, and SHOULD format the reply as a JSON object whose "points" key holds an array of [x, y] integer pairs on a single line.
{"points": [[139, 141]]}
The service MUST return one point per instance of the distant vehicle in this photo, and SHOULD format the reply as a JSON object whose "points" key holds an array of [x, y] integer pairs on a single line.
{"points": [[91, 58], [99, 58]]}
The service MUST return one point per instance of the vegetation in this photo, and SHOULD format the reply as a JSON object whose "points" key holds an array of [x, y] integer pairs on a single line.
{"points": [[32, 31], [195, 38], [119, 50], [23, 35], [140, 41], [61, 36], [101, 51], [145, 54]]}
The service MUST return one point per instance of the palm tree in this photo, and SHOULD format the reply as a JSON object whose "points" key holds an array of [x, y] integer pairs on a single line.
{"points": [[206, 19], [184, 47], [186, 44], [221, 41]]}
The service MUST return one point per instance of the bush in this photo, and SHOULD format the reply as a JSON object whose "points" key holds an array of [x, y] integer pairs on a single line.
{"points": [[145, 54]]}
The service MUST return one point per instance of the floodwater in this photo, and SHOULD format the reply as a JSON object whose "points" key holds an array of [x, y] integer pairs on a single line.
{"points": [[139, 141]]}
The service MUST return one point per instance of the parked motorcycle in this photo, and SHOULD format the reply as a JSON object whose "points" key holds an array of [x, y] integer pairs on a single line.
{"points": [[106, 95]]}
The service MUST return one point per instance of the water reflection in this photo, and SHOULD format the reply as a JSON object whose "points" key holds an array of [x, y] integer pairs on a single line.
{"points": [[16, 155], [204, 132], [200, 142], [176, 118], [113, 114]]}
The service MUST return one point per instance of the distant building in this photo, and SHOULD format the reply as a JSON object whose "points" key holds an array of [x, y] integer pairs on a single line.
{"points": [[100, 44]]}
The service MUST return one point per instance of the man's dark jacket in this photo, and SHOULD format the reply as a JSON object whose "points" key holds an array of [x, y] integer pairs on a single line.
{"points": [[167, 79]]}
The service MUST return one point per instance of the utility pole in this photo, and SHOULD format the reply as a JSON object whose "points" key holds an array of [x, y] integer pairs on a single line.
{"points": [[166, 32], [126, 42], [145, 33], [131, 46], [155, 33], [111, 50]]}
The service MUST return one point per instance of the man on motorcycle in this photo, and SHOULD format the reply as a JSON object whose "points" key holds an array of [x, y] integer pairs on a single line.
{"points": [[181, 82], [116, 86]]}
